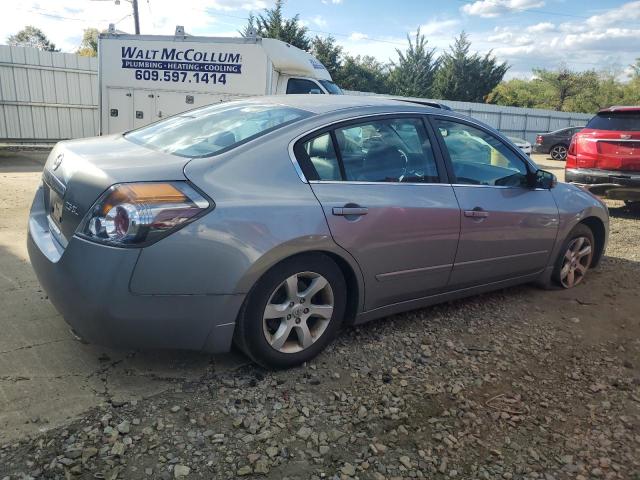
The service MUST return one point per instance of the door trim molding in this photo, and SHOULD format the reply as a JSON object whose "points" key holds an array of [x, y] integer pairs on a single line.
{"points": [[382, 277], [504, 257]]}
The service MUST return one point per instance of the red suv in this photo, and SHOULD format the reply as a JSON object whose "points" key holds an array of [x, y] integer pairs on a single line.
{"points": [[605, 155]]}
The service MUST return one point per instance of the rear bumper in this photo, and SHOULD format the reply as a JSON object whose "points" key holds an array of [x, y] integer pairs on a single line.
{"points": [[88, 284], [612, 184]]}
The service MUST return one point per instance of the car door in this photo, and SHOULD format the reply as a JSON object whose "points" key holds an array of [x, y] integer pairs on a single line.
{"points": [[508, 228], [381, 189]]}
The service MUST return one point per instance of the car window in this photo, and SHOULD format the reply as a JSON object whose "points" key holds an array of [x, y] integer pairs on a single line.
{"points": [[206, 131], [300, 85], [323, 157], [480, 158], [620, 121], [395, 150]]}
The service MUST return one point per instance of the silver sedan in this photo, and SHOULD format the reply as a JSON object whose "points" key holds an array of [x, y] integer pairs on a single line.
{"points": [[273, 221]]}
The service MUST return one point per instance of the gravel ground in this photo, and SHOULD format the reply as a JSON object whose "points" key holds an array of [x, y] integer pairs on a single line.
{"points": [[518, 384]]}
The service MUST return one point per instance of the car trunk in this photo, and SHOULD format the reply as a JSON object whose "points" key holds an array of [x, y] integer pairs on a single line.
{"points": [[78, 171], [618, 153]]}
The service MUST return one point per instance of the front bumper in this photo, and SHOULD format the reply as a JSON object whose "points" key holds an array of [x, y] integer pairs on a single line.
{"points": [[612, 184], [88, 284]]}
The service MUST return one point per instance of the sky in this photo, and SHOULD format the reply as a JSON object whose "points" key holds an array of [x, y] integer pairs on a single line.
{"points": [[581, 34]]}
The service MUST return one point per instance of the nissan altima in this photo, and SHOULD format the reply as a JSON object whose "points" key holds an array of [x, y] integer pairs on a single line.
{"points": [[271, 222]]}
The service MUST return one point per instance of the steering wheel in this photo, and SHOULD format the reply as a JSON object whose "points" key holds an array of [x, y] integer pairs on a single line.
{"points": [[405, 157]]}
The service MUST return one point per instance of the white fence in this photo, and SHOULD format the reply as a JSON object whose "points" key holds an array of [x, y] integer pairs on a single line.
{"points": [[46, 96], [513, 121]]}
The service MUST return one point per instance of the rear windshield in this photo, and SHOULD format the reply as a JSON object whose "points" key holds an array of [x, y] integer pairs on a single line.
{"points": [[209, 130], [624, 121]]}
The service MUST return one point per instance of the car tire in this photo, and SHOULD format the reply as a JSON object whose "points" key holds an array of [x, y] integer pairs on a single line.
{"points": [[291, 314], [558, 152], [575, 257]]}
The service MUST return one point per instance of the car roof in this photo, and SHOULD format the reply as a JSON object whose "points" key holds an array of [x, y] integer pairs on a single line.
{"points": [[320, 104], [620, 108]]}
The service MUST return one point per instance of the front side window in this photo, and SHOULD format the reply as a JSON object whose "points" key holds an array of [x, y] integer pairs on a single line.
{"points": [[209, 130], [300, 85], [480, 158]]}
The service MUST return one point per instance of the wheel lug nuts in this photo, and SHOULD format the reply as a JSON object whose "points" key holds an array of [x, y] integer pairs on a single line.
{"points": [[291, 304], [306, 310], [288, 317], [297, 320], [302, 300]]}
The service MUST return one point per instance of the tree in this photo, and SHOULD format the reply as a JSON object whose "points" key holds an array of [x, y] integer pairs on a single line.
{"points": [[467, 77], [413, 74], [89, 44], [563, 85], [328, 53], [516, 92], [364, 74], [635, 69], [272, 24], [31, 36]]}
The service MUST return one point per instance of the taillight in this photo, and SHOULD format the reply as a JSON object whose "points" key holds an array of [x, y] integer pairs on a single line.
{"points": [[571, 154], [539, 139], [133, 214]]}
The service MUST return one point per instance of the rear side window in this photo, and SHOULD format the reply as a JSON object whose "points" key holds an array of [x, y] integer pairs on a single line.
{"points": [[300, 85], [396, 150], [323, 157], [209, 130], [621, 121]]}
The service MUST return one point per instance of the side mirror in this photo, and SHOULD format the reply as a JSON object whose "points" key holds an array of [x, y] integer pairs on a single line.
{"points": [[545, 180]]}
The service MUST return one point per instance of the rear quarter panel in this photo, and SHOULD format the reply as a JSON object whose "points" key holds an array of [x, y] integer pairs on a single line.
{"points": [[263, 214]]}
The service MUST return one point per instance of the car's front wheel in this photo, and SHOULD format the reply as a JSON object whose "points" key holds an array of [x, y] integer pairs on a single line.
{"points": [[558, 152], [293, 312], [575, 257]]}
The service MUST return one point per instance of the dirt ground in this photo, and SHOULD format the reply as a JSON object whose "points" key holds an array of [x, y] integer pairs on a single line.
{"points": [[521, 383], [47, 377]]}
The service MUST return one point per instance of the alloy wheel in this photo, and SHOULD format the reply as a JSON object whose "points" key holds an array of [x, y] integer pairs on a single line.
{"points": [[298, 312], [559, 152], [576, 262]]}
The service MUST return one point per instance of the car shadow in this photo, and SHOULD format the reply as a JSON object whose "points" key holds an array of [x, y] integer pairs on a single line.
{"points": [[620, 210]]}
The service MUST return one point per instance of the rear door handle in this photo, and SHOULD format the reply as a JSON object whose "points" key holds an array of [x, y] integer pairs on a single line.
{"points": [[344, 211], [476, 213]]}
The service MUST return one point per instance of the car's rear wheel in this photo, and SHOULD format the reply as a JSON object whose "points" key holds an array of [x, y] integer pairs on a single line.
{"points": [[575, 257], [293, 312], [558, 152]]}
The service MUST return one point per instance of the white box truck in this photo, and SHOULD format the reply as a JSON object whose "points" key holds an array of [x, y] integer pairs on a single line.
{"points": [[143, 78]]}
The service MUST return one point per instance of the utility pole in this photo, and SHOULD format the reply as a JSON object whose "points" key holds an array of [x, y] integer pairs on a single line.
{"points": [[136, 18]]}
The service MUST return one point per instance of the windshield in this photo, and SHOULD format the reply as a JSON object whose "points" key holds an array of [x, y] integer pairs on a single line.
{"points": [[209, 130], [620, 121], [331, 87]]}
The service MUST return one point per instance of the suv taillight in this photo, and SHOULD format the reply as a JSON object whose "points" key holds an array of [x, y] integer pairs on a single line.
{"points": [[572, 161]]}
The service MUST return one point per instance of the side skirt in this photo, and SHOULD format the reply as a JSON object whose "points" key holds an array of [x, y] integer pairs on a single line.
{"points": [[442, 297]]}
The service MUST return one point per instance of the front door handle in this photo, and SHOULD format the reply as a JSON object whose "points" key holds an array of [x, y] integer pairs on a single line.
{"points": [[345, 211], [476, 213]]}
